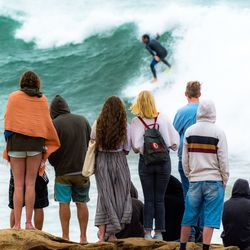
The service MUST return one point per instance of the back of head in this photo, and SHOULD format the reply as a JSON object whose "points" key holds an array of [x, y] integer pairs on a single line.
{"points": [[30, 80], [144, 106], [193, 89], [206, 111], [241, 189], [145, 38], [111, 127], [174, 187], [58, 107]]}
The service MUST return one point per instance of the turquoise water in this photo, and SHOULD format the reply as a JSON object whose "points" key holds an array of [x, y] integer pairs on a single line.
{"points": [[87, 51]]}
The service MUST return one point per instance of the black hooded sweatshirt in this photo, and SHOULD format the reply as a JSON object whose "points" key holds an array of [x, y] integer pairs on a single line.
{"points": [[174, 207], [74, 134], [236, 216], [135, 228]]}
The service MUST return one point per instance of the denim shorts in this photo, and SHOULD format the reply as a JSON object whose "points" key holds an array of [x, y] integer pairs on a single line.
{"points": [[72, 187], [23, 154], [208, 195]]}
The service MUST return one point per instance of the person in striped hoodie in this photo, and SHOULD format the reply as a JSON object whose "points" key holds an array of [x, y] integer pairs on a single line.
{"points": [[205, 163]]}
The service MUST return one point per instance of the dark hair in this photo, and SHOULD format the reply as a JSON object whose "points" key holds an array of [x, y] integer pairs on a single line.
{"points": [[30, 80], [193, 89], [146, 36], [111, 128]]}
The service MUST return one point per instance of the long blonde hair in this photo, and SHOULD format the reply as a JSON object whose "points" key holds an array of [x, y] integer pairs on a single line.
{"points": [[144, 106]]}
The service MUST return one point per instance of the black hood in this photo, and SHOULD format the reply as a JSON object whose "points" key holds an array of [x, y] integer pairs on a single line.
{"points": [[241, 189], [58, 107], [174, 187]]}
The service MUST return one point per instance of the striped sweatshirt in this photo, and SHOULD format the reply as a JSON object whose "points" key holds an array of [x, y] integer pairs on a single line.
{"points": [[205, 153]]}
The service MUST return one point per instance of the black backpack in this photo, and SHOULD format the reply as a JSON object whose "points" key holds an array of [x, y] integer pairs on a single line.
{"points": [[155, 149]]}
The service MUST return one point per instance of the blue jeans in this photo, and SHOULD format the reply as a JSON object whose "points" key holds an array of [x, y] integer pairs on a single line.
{"points": [[154, 180], [207, 196], [184, 179]]}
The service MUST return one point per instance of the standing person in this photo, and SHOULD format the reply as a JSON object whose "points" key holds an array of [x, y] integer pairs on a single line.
{"points": [[31, 138], [158, 52], [184, 118], [114, 205], [236, 217], [41, 200], [74, 134], [205, 163], [154, 178]]}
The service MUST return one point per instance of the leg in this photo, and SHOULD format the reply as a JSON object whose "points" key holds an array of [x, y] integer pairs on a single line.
{"points": [[64, 213], [12, 218], [193, 207], [166, 62], [147, 181], [83, 217], [207, 235], [152, 66], [185, 232], [102, 231], [32, 166], [213, 207], [161, 183], [38, 218], [18, 166]]}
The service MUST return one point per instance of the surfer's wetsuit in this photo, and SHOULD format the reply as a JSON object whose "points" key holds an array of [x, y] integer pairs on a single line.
{"points": [[156, 49]]}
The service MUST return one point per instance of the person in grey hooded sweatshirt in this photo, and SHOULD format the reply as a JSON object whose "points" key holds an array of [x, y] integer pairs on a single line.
{"points": [[205, 163], [236, 217], [74, 134]]}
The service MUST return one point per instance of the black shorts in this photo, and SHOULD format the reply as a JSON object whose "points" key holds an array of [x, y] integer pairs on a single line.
{"points": [[41, 200]]}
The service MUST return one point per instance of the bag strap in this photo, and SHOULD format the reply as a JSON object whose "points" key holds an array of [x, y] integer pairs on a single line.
{"points": [[145, 124]]}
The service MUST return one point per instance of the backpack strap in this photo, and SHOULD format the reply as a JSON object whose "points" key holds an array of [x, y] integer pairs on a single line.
{"points": [[143, 122], [155, 121], [146, 125]]}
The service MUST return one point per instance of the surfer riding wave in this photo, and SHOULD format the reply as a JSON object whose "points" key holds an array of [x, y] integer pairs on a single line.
{"points": [[158, 52]]}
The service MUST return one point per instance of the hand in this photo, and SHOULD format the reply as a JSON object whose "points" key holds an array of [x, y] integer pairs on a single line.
{"points": [[157, 58]]}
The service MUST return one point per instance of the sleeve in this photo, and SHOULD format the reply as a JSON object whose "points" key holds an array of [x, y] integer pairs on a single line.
{"points": [[93, 132], [136, 136], [222, 154], [54, 157], [178, 124], [170, 135], [127, 145], [185, 157], [150, 50]]}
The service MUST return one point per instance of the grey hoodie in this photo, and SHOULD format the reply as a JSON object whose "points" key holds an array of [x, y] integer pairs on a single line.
{"points": [[205, 153], [74, 134]]}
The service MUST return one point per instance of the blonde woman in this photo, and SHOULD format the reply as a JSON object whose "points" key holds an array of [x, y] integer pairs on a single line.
{"points": [[154, 178]]}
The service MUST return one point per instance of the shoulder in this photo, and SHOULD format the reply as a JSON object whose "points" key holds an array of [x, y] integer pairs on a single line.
{"points": [[16, 94]]}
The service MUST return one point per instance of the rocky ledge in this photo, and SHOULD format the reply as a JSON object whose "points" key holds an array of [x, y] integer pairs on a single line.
{"points": [[37, 240]]}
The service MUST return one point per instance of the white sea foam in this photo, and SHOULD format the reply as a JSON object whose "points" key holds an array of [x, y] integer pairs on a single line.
{"points": [[211, 45]]}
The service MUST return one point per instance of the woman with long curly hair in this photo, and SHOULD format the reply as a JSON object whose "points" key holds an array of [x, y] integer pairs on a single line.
{"points": [[114, 205]]}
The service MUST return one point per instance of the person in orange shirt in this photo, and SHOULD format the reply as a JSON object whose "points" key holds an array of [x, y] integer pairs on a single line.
{"points": [[31, 138]]}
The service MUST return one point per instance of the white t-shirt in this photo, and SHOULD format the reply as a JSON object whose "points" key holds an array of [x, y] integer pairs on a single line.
{"points": [[166, 128]]}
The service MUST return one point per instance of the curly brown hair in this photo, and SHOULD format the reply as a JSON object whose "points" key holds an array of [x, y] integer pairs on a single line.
{"points": [[111, 127], [30, 79]]}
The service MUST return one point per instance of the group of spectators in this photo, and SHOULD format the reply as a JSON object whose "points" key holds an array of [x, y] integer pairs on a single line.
{"points": [[186, 211]]}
